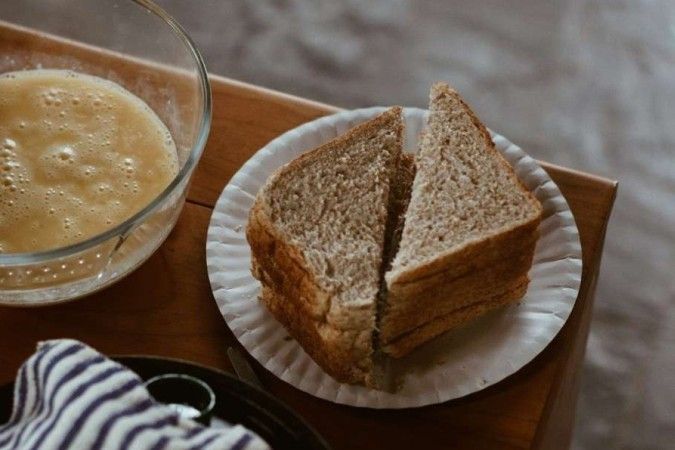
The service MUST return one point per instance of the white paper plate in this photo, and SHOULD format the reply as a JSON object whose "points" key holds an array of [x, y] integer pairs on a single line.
{"points": [[454, 365]]}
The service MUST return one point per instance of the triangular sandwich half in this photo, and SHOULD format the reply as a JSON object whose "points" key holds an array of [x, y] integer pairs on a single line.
{"points": [[469, 233], [317, 235]]}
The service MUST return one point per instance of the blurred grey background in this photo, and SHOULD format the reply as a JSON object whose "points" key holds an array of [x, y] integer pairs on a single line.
{"points": [[588, 84]]}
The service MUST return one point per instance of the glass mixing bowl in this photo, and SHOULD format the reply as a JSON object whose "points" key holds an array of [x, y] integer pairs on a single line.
{"points": [[139, 46]]}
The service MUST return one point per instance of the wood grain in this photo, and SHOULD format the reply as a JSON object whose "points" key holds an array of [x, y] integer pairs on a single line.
{"points": [[166, 307]]}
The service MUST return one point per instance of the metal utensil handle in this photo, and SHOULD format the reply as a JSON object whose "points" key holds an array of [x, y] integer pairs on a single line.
{"points": [[242, 368]]}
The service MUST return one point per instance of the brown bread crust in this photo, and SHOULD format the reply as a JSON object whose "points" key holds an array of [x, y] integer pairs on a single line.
{"points": [[425, 302], [472, 255], [295, 300], [411, 340]]}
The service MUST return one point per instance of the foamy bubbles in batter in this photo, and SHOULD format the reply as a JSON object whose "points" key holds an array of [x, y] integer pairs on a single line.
{"points": [[78, 155]]}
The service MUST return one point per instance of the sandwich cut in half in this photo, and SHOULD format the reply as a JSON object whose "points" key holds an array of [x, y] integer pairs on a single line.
{"points": [[317, 236], [360, 248], [469, 234]]}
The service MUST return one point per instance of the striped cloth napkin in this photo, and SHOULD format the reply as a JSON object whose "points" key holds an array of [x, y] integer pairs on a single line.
{"points": [[69, 396]]}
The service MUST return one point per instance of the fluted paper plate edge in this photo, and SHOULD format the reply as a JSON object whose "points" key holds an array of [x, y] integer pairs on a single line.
{"points": [[452, 366]]}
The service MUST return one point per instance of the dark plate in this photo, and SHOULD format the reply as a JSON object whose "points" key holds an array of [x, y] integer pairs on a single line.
{"points": [[236, 402]]}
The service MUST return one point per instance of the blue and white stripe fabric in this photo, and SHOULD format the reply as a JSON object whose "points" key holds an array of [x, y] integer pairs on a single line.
{"points": [[68, 396]]}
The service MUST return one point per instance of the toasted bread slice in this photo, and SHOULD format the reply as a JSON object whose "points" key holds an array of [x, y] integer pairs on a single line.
{"points": [[317, 235]]}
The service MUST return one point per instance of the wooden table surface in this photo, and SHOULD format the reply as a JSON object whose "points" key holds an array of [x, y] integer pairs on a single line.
{"points": [[166, 308]]}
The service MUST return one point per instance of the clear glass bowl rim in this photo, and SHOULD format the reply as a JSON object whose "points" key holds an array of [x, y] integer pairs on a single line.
{"points": [[11, 259]]}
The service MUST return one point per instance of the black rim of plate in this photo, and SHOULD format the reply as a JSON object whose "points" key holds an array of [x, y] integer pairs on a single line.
{"points": [[236, 402]]}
